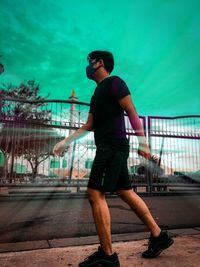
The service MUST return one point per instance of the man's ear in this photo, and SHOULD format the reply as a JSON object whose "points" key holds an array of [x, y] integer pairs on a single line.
{"points": [[101, 61]]}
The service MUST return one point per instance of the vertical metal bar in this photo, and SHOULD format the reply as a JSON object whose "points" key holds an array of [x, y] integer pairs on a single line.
{"points": [[72, 162], [149, 174]]}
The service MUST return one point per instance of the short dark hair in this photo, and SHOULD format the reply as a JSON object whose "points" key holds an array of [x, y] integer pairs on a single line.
{"points": [[106, 56]]}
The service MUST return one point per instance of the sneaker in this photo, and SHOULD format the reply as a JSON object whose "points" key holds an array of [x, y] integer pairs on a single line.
{"points": [[158, 244], [100, 259]]}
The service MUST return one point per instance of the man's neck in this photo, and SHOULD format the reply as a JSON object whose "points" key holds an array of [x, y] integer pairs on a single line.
{"points": [[101, 78]]}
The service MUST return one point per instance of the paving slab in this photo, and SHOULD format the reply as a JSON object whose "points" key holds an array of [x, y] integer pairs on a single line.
{"points": [[21, 246], [89, 240]]}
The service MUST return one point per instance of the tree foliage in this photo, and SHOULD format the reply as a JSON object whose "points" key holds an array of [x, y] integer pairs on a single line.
{"points": [[27, 105], [24, 115]]}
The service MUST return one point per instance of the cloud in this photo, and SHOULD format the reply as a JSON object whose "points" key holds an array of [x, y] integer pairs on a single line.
{"points": [[155, 46]]}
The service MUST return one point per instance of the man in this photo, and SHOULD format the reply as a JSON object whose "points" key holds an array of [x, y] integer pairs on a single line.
{"points": [[109, 172]]}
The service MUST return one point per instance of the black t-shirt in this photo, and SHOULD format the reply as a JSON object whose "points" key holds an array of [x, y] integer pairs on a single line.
{"points": [[108, 116]]}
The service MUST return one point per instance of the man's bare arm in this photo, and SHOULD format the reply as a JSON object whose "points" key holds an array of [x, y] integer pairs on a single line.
{"points": [[127, 104], [85, 129]]}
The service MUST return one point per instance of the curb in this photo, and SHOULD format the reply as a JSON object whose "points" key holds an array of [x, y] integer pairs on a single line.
{"points": [[88, 240]]}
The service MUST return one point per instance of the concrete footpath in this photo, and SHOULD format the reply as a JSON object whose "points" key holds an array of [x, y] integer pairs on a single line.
{"points": [[184, 252]]}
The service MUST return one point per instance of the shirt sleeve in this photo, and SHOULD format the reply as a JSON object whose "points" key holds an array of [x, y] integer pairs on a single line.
{"points": [[119, 89], [91, 110]]}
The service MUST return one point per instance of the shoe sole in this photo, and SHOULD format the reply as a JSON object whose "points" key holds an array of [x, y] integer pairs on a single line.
{"points": [[106, 264], [160, 251], [103, 265]]}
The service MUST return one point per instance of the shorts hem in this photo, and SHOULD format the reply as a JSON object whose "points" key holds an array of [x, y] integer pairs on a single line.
{"points": [[110, 191]]}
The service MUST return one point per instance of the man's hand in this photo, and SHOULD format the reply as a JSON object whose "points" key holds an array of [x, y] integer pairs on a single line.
{"points": [[144, 151], [60, 148]]}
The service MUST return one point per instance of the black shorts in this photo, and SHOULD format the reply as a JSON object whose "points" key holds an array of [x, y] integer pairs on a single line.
{"points": [[109, 171]]}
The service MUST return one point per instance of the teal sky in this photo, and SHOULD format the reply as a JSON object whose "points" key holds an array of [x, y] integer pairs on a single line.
{"points": [[156, 44]]}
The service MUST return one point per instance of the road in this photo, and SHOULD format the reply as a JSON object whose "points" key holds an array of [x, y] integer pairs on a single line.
{"points": [[27, 219]]}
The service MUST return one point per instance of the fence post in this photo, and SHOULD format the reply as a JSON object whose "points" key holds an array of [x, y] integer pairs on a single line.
{"points": [[149, 173]]}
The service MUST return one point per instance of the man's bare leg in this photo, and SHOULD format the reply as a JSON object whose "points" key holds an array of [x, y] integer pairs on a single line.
{"points": [[101, 217], [141, 210]]}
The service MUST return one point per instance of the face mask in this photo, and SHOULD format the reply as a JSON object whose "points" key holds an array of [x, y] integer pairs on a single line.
{"points": [[90, 70]]}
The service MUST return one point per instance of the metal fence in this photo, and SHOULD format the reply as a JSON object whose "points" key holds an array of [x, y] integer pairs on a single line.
{"points": [[29, 131], [176, 140]]}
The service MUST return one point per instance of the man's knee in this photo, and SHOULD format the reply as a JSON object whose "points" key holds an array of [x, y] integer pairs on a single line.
{"points": [[127, 195], [94, 196], [124, 193]]}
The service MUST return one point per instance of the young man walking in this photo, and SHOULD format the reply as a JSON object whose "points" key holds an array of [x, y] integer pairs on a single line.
{"points": [[109, 172]]}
